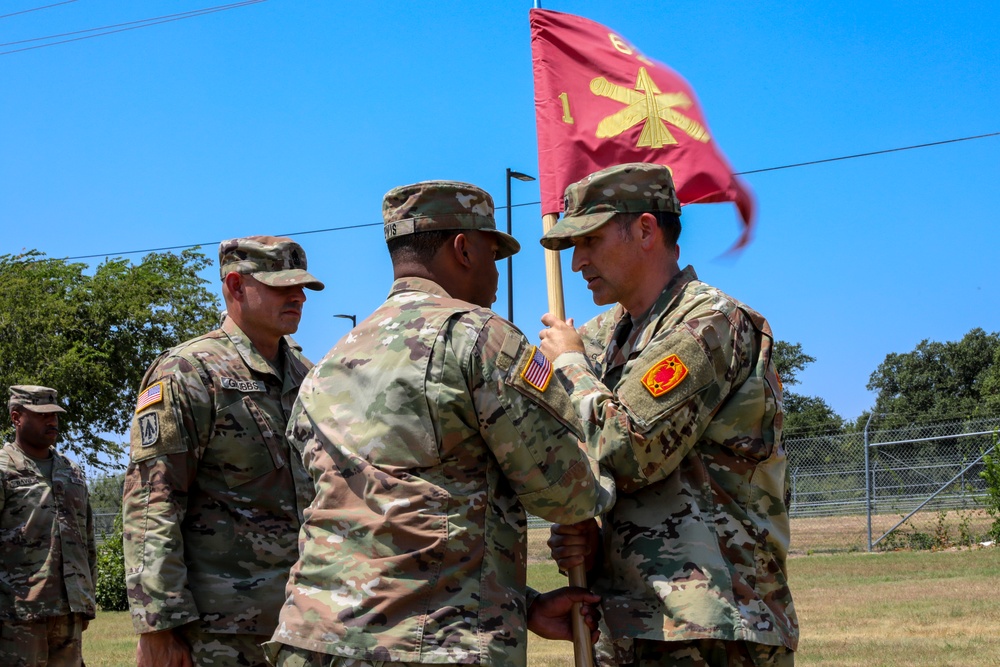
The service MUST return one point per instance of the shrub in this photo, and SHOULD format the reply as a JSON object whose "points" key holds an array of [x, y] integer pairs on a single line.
{"points": [[991, 473], [110, 583]]}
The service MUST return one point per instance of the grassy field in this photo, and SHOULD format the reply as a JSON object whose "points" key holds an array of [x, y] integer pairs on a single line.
{"points": [[897, 609], [894, 609]]}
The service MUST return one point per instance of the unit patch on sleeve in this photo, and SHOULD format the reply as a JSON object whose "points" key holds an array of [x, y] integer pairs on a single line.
{"points": [[151, 396], [665, 374], [149, 428], [538, 371]]}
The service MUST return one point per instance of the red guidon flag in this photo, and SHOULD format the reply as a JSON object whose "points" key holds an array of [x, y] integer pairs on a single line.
{"points": [[599, 102]]}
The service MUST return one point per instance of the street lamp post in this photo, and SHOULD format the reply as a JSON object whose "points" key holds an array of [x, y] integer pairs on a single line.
{"points": [[352, 318], [510, 264]]}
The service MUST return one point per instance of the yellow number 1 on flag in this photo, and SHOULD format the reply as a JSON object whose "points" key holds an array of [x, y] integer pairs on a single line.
{"points": [[567, 117]]}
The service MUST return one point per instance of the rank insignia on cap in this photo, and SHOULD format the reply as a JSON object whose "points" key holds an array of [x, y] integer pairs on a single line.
{"points": [[666, 374], [538, 371], [152, 395]]}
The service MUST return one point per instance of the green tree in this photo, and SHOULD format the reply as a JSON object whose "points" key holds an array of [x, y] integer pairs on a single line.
{"points": [[990, 390], [106, 492], [790, 360], [804, 415], [91, 337], [939, 381]]}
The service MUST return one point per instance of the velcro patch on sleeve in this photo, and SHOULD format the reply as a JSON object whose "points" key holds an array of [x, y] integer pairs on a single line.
{"points": [[531, 375], [650, 394], [665, 374], [155, 429]]}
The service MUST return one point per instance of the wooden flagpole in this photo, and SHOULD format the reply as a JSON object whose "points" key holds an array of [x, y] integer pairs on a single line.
{"points": [[583, 653]]}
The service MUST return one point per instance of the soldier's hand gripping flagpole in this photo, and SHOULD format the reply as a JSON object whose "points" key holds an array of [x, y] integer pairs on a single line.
{"points": [[583, 654]]}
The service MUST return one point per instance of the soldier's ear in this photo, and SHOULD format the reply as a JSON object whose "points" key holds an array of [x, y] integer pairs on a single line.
{"points": [[460, 250], [648, 230], [235, 285]]}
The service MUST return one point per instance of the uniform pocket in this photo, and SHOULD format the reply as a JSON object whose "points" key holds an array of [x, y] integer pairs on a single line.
{"points": [[244, 446]]}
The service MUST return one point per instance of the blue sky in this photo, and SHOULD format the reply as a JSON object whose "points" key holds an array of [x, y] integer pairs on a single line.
{"points": [[286, 116]]}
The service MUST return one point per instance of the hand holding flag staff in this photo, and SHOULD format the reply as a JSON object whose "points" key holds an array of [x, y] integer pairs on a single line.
{"points": [[600, 102]]}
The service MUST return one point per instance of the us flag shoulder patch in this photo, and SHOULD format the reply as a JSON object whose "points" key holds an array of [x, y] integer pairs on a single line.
{"points": [[152, 395], [538, 371]]}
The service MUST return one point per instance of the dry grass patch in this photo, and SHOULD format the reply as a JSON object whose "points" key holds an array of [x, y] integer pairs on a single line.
{"points": [[109, 640], [898, 609], [850, 533]]}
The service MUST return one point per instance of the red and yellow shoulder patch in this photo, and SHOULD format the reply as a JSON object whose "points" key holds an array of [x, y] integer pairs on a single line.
{"points": [[665, 374]]}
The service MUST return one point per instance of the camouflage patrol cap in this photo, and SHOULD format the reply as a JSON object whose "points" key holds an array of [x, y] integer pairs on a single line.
{"points": [[636, 187], [277, 261], [442, 205], [34, 398]]}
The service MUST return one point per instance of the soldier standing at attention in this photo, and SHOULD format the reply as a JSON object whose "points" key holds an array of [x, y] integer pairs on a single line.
{"points": [[48, 558], [214, 494], [429, 430], [680, 400]]}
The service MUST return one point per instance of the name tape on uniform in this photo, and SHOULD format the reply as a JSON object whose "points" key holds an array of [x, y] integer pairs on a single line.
{"points": [[246, 386]]}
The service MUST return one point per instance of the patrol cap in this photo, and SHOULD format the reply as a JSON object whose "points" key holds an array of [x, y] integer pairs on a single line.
{"points": [[442, 205], [34, 398], [277, 261], [636, 187]]}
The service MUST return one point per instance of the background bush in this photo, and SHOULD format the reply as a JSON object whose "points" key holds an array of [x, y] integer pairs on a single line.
{"points": [[111, 571]]}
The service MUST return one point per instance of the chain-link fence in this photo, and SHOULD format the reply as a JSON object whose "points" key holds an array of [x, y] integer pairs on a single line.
{"points": [[845, 501], [104, 522], [870, 483]]}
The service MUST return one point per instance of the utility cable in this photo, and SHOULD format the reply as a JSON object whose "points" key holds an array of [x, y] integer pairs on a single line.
{"points": [[123, 27], [28, 11], [536, 203]]}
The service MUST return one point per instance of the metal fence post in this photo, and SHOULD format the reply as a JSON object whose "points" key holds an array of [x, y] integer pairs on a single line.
{"points": [[868, 483]]}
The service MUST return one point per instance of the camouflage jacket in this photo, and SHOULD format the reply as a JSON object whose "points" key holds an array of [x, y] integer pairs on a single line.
{"points": [[429, 430], [46, 539], [686, 412], [213, 495]]}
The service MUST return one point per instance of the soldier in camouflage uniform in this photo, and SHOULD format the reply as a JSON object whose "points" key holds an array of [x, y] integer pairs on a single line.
{"points": [[679, 398], [48, 559], [214, 494], [429, 430]]}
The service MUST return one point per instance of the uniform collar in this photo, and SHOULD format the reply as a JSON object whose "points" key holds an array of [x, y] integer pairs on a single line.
{"points": [[643, 325], [673, 290], [251, 357], [415, 284], [22, 461]]}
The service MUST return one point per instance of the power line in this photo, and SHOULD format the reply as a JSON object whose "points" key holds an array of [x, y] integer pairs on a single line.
{"points": [[536, 203], [28, 11], [211, 243], [851, 157], [122, 27]]}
